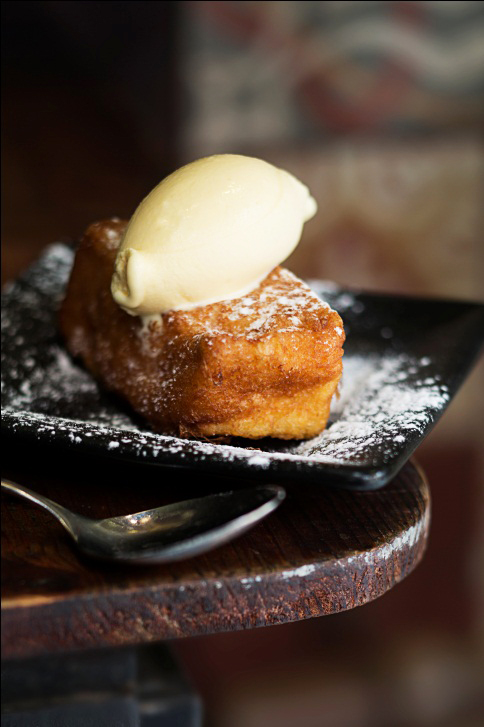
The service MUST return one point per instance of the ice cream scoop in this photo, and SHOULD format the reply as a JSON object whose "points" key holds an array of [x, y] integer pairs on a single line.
{"points": [[210, 231]]}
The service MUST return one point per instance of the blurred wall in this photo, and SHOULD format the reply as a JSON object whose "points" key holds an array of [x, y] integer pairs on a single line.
{"points": [[279, 73], [378, 107], [90, 115]]}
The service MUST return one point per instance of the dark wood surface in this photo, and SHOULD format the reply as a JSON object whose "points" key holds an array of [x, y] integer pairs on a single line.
{"points": [[325, 550]]}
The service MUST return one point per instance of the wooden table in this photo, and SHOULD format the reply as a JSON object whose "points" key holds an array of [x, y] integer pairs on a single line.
{"points": [[324, 551]]}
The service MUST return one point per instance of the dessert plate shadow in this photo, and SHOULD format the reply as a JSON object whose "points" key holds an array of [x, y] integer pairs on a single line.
{"points": [[404, 361]]}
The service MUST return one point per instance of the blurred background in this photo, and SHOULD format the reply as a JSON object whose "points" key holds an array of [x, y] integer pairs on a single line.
{"points": [[379, 108]]}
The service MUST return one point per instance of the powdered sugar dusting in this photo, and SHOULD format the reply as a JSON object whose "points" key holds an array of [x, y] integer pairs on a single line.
{"points": [[38, 375], [279, 300], [383, 402], [388, 400]]}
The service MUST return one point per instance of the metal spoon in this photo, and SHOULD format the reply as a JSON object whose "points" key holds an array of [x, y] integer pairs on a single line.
{"points": [[167, 533]]}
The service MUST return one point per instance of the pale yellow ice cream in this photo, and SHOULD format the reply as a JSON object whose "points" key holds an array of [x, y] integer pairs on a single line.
{"points": [[210, 231]]}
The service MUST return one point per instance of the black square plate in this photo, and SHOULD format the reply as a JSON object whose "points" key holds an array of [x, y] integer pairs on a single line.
{"points": [[404, 360]]}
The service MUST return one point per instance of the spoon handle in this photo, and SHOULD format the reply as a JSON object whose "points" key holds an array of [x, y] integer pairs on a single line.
{"points": [[65, 517]]}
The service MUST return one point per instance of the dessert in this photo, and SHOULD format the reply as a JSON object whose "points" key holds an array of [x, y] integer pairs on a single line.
{"points": [[186, 313]]}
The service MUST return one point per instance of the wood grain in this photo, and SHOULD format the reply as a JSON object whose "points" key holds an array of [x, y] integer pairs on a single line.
{"points": [[325, 550]]}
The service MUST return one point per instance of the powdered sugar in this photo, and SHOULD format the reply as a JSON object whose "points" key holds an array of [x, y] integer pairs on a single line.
{"points": [[388, 399], [262, 314], [37, 373], [384, 401]]}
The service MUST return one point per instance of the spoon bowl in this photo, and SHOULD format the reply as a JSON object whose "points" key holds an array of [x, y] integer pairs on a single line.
{"points": [[163, 534]]}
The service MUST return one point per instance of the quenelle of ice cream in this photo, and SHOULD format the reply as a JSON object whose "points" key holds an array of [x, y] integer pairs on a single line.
{"points": [[210, 231]]}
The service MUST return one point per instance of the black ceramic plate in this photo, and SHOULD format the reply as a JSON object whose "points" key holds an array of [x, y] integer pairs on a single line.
{"points": [[404, 361]]}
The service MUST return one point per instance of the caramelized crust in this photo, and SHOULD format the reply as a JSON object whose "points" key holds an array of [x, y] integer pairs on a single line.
{"points": [[263, 365]]}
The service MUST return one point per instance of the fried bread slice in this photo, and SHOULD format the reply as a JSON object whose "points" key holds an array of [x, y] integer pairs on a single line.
{"points": [[263, 365]]}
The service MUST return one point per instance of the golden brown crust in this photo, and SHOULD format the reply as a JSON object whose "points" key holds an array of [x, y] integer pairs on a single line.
{"points": [[263, 365]]}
